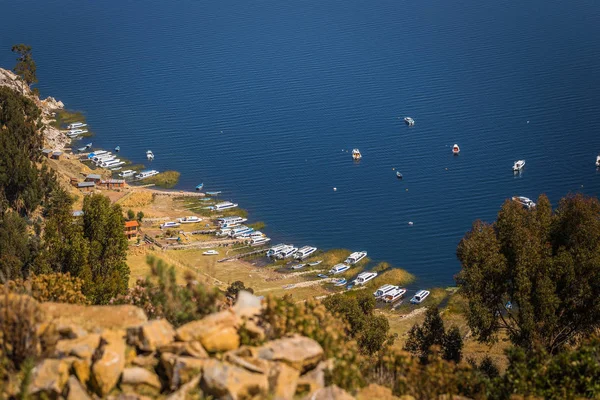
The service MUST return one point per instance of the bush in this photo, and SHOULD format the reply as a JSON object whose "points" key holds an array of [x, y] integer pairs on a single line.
{"points": [[234, 289], [60, 288], [130, 215], [20, 316]]}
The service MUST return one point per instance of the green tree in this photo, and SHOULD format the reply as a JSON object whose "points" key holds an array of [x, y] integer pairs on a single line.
{"points": [[14, 248], [534, 273], [421, 338], [25, 67], [140, 216], [130, 215], [453, 345], [235, 288]]}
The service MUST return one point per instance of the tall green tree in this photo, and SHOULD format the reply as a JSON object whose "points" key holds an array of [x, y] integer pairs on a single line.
{"points": [[421, 338], [534, 274], [25, 66], [14, 247]]}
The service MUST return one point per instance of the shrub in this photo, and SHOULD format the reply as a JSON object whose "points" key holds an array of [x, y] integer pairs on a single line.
{"points": [[60, 288], [234, 289], [130, 215]]}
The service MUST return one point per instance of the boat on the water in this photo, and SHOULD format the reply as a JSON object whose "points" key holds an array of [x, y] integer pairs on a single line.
{"points": [[288, 252], [409, 121], [455, 149], [240, 231], [230, 222], [127, 173], [356, 154], [213, 193], [189, 220], [339, 268], [150, 155], [394, 295], [399, 175], [598, 161], [76, 125], [355, 257], [365, 277], [340, 282], [223, 206], [273, 251], [117, 149], [518, 165], [200, 186], [419, 297], [146, 174], [259, 241], [524, 201], [211, 253], [383, 290], [305, 252]]}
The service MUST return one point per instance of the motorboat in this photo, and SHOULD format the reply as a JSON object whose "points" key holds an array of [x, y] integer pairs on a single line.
{"points": [[211, 253], [385, 289], [399, 175], [213, 193], [170, 224], [304, 252], [524, 201], [364, 277], [116, 169], [419, 297], [127, 173], [356, 154], [189, 220], [146, 174], [223, 206], [297, 266], [275, 250], [455, 149], [315, 263], [288, 252], [322, 276], [409, 121], [259, 241], [76, 125], [89, 145], [117, 149], [240, 230], [394, 295], [223, 232], [96, 153], [355, 257], [200, 186], [229, 222], [598, 161], [340, 282], [339, 268], [113, 164], [150, 155], [518, 165]]}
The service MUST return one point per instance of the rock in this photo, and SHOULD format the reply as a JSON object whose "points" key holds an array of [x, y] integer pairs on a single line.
{"points": [[374, 391], [83, 347], [184, 391], [49, 377], [51, 103], [76, 390], [217, 332], [298, 352], [251, 364], [283, 381], [94, 318], [107, 369], [254, 331], [82, 370], [179, 369], [145, 361], [71, 331], [140, 380], [230, 382], [247, 305], [314, 379], [330, 393], [150, 335], [192, 349]]}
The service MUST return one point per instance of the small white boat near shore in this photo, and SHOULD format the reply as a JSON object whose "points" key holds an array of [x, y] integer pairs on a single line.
{"points": [[339, 268], [224, 206], [598, 161], [355, 257], [76, 125], [365, 277], [189, 220], [149, 155], [211, 253], [170, 224], [273, 251], [383, 290], [518, 165], [356, 154], [419, 297], [146, 174], [304, 252], [127, 173], [394, 295]]}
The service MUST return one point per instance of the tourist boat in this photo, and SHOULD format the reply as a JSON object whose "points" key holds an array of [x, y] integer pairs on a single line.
{"points": [[76, 125], [385, 289], [224, 206], [364, 277], [304, 252], [189, 220], [240, 230], [518, 165], [399, 175], [82, 149], [287, 252], [117, 149], [229, 222], [259, 241], [315, 263], [340, 282], [113, 164], [211, 253], [109, 162], [116, 169], [419, 297], [146, 174], [409, 121], [524, 201], [170, 224], [356, 154], [339, 268], [455, 149], [297, 266], [200, 186], [322, 276], [394, 295], [102, 156], [223, 232], [150, 155], [127, 173], [275, 250], [355, 257], [104, 160], [96, 153], [73, 135], [213, 193], [598, 161]]}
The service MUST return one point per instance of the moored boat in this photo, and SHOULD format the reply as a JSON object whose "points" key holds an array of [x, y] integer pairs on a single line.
{"points": [[598, 161], [117, 149], [409, 121], [355, 257], [146, 174], [200, 186], [288, 252], [356, 154], [170, 224], [399, 175], [305, 252], [383, 290], [229, 222], [127, 173], [340, 282], [189, 220], [224, 206], [524, 201], [419, 297], [518, 165], [76, 125], [339, 268], [259, 241], [315, 263], [150, 155], [275, 250], [213, 193], [455, 149], [365, 277], [394, 295]]}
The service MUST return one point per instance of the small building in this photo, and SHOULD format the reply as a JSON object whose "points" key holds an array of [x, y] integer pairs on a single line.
{"points": [[74, 182], [47, 153], [131, 229], [93, 178], [86, 186], [57, 155], [113, 183]]}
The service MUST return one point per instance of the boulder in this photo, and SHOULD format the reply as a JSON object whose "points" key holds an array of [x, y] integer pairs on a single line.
{"points": [[82, 347], [82, 368], [192, 349], [180, 369], [283, 381], [76, 390], [374, 391], [217, 332], [49, 377], [107, 368], [150, 335], [140, 380], [183, 392], [298, 352], [329, 393], [230, 382], [94, 318], [71, 331], [145, 361], [247, 362]]}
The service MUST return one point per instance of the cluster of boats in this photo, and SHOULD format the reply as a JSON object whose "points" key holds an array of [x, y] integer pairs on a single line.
{"points": [[105, 159], [223, 206], [75, 129], [391, 294], [232, 227], [283, 251]]}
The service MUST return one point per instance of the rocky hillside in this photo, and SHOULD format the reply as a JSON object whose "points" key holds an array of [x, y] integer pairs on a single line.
{"points": [[115, 352]]}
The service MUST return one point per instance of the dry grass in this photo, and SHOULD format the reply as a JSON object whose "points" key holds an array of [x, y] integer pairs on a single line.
{"points": [[167, 179], [332, 257], [394, 276], [136, 199]]}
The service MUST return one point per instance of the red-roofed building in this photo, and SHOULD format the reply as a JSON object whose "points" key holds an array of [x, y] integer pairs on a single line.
{"points": [[131, 229]]}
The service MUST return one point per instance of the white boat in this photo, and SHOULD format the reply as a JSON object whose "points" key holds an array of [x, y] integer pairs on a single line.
{"points": [[419, 296], [455, 149], [116, 169], [355, 257], [170, 224], [76, 125], [259, 241], [127, 173], [304, 252], [229, 222], [146, 174], [315, 263], [409, 121], [224, 232], [356, 154], [224, 206], [598, 161], [518, 165], [524, 201], [75, 131], [275, 250], [298, 266], [252, 235], [385, 289], [393, 296], [339, 268], [113, 164], [364, 277], [108, 163], [288, 252], [240, 230], [150, 155], [211, 253], [340, 281], [100, 155], [189, 220]]}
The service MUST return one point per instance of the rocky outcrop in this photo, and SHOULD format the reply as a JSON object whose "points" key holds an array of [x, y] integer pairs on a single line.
{"points": [[49, 378], [298, 352], [109, 364], [217, 332], [152, 334], [228, 381], [94, 318]]}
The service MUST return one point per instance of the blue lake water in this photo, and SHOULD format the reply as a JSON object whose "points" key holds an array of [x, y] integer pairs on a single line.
{"points": [[264, 100]]}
